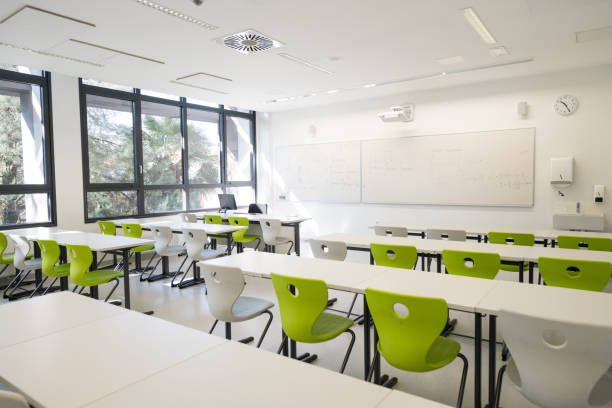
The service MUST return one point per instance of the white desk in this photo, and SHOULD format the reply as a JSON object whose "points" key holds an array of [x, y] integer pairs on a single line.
{"points": [[398, 399], [130, 359]]}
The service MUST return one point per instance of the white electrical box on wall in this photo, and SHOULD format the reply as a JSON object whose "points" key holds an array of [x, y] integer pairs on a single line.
{"points": [[561, 171]]}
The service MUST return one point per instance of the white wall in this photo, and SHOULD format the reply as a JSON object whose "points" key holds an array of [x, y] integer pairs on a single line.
{"points": [[586, 135]]}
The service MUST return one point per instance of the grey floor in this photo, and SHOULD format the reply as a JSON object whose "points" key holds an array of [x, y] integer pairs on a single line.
{"points": [[189, 307]]}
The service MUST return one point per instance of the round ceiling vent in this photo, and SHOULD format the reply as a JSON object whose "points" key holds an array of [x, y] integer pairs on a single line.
{"points": [[250, 41]]}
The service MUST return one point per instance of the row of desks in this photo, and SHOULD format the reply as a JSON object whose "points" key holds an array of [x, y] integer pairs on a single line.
{"points": [[478, 296], [64, 350]]}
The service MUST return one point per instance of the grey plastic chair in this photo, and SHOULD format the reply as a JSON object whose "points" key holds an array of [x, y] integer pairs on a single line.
{"points": [[163, 237], [9, 399], [188, 218], [23, 265], [451, 235], [224, 286], [390, 231], [195, 241], [270, 229]]}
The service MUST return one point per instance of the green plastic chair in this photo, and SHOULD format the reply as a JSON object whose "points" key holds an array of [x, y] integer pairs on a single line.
{"points": [[591, 243], [81, 258], [485, 265], [213, 219], [135, 231], [512, 238], [409, 330], [241, 237], [50, 252], [302, 314], [395, 256], [575, 274], [107, 227]]}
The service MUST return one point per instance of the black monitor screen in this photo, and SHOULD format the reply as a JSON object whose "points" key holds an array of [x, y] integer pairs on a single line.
{"points": [[227, 202]]}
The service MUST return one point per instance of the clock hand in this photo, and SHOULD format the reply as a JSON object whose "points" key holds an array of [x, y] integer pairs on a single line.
{"points": [[564, 104]]}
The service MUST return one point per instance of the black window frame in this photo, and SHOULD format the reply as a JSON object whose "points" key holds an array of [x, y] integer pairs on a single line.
{"points": [[137, 98], [44, 82]]}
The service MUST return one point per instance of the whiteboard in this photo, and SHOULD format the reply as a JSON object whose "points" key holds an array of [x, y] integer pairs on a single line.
{"points": [[319, 172], [492, 168]]}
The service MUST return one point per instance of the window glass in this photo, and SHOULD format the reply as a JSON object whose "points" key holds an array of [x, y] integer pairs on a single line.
{"points": [[244, 195], [110, 135], [109, 85], [233, 108], [111, 203], [161, 144], [204, 146], [21, 69], [164, 201], [24, 208], [239, 149], [202, 103], [201, 198]]}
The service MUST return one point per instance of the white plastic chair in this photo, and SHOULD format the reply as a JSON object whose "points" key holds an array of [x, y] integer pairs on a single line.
{"points": [[9, 399], [224, 286], [557, 364], [390, 231], [270, 228], [188, 218], [195, 241], [163, 238], [451, 235], [23, 265]]}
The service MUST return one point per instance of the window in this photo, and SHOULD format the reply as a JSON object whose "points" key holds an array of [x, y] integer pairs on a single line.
{"points": [[26, 163], [150, 153]]}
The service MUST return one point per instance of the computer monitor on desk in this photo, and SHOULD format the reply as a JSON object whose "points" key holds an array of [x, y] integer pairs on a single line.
{"points": [[227, 202]]}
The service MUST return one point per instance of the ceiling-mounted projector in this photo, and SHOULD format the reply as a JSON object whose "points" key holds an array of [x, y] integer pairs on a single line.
{"points": [[398, 114]]}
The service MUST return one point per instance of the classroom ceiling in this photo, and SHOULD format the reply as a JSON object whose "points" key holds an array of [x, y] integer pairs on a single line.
{"points": [[362, 49]]}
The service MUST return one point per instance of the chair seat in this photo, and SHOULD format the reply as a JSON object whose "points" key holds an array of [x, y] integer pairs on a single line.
{"points": [[142, 248], [8, 258], [173, 250], [33, 263], [442, 352], [247, 307], [329, 326], [279, 241], [60, 271], [210, 254], [247, 238], [99, 277]]}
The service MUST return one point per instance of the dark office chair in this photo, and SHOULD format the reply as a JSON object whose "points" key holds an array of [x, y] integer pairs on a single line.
{"points": [[258, 208]]}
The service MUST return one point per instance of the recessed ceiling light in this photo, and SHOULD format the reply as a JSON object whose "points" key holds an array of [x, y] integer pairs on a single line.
{"points": [[303, 62], [199, 87], [177, 14], [499, 51], [129, 54], [50, 54], [451, 60], [478, 26], [369, 85], [593, 35]]}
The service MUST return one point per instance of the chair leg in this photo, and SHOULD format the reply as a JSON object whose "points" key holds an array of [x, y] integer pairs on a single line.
{"points": [[372, 365], [500, 376], [75, 288], [112, 290], [146, 268], [291, 247], [152, 270], [10, 285], [18, 284], [265, 330], [38, 287], [282, 345], [348, 352], [348, 314], [463, 379], [257, 246], [49, 287], [213, 327], [4, 269], [178, 273]]}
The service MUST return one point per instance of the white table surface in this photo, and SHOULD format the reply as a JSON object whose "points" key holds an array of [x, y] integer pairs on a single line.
{"points": [[398, 399], [237, 375], [285, 219], [43, 315], [96, 241], [33, 230], [435, 246], [179, 226]]}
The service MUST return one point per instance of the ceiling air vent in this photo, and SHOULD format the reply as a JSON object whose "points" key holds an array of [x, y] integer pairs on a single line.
{"points": [[250, 41]]}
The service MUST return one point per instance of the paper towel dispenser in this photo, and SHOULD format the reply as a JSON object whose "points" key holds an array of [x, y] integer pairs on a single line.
{"points": [[561, 171]]}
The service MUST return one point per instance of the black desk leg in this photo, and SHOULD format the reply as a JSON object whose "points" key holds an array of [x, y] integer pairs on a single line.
{"points": [[366, 338], [38, 272], [93, 290], [492, 350], [63, 259], [477, 360], [296, 237], [530, 272], [521, 266], [439, 259], [126, 277], [229, 244]]}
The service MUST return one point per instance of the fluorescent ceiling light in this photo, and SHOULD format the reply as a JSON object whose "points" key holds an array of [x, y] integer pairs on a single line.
{"points": [[451, 60], [50, 54], [177, 14], [303, 62], [593, 35], [478, 26], [333, 91], [499, 51], [129, 54], [369, 85], [199, 87]]}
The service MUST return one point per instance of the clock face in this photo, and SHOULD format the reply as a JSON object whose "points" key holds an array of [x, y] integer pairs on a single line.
{"points": [[566, 105]]}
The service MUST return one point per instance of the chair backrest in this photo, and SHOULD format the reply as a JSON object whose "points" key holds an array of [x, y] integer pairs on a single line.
{"points": [[511, 238], [451, 235], [22, 248], [255, 208], [333, 250], [590, 243], [300, 311], [195, 240], [407, 327], [475, 264], [162, 237], [80, 261], [224, 285], [213, 219], [240, 221], [575, 274], [9, 399], [188, 218], [559, 364], [270, 228], [131, 230], [107, 227], [50, 251], [3, 243], [395, 256], [390, 231]]}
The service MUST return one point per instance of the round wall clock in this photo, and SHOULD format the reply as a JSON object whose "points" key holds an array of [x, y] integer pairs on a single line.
{"points": [[566, 105]]}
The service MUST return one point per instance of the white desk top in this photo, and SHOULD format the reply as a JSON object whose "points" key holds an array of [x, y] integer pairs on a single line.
{"points": [[23, 321], [209, 228], [461, 293], [33, 230], [398, 399], [96, 241], [285, 219], [236, 375], [434, 246]]}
